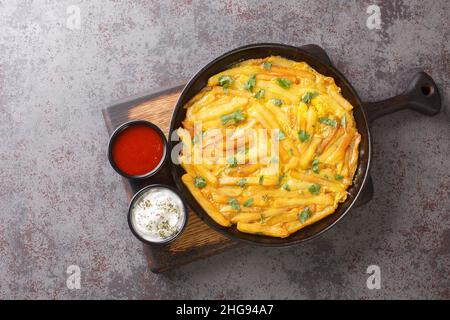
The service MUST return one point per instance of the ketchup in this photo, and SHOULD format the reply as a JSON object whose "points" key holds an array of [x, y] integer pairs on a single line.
{"points": [[137, 150]]}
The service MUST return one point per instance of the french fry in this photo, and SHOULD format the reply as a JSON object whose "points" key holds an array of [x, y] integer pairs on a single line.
{"points": [[219, 198], [250, 180], [272, 75], [197, 105], [261, 216], [215, 111], [211, 124], [303, 201], [248, 169], [316, 179], [290, 216], [228, 208], [340, 99], [286, 95], [233, 72], [301, 118], [189, 168], [308, 156], [311, 121], [267, 115], [202, 171], [246, 217], [325, 142], [339, 153], [206, 205], [294, 226], [273, 231], [230, 191], [332, 145], [353, 162]]}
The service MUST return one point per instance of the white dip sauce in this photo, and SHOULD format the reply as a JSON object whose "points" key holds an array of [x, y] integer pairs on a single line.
{"points": [[158, 214]]}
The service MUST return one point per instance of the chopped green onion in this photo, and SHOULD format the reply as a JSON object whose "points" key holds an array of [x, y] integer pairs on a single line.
{"points": [[225, 81], [234, 204], [304, 215], [344, 121], [308, 96], [248, 202], [195, 139], [328, 121], [199, 182], [260, 94], [242, 182], [276, 102], [261, 180], [262, 218], [234, 117], [267, 65], [303, 135], [244, 151], [314, 189], [250, 84], [284, 83], [315, 166], [280, 178], [232, 161]]}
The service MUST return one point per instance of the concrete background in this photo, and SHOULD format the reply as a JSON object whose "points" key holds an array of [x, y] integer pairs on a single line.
{"points": [[61, 203]]}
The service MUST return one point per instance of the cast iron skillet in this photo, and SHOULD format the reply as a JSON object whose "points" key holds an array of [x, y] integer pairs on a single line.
{"points": [[422, 95]]}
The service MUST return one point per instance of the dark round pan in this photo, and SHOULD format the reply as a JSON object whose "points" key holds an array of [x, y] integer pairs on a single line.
{"points": [[422, 95]]}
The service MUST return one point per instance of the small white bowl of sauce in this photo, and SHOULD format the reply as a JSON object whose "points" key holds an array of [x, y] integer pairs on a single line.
{"points": [[157, 214]]}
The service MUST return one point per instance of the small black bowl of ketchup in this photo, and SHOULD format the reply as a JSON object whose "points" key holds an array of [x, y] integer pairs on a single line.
{"points": [[137, 149]]}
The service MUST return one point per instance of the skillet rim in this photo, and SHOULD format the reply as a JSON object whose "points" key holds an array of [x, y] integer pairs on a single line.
{"points": [[225, 230]]}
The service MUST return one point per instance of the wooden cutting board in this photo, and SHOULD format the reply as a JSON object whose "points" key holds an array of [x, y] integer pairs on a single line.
{"points": [[197, 240]]}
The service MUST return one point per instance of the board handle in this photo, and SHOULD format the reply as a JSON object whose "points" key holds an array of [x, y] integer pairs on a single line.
{"points": [[422, 95]]}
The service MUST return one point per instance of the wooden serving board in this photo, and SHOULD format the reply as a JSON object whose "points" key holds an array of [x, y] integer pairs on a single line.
{"points": [[197, 240]]}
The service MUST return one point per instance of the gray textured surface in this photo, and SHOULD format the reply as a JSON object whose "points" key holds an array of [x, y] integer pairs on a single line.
{"points": [[61, 203]]}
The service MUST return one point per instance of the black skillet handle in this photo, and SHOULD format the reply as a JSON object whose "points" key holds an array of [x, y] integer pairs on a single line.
{"points": [[318, 52], [422, 95]]}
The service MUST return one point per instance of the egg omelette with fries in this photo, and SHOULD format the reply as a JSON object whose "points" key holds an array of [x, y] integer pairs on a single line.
{"points": [[318, 146]]}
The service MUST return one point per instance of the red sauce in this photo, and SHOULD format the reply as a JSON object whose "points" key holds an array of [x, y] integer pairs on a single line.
{"points": [[137, 150]]}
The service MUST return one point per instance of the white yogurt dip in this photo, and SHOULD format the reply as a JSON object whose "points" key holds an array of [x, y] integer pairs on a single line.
{"points": [[158, 214]]}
